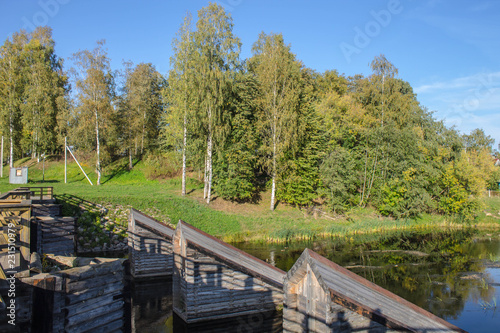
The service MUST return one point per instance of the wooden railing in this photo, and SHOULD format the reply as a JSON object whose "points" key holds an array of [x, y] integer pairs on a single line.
{"points": [[27, 193], [42, 193]]}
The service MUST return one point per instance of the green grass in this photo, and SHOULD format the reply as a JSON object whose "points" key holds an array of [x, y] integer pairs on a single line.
{"points": [[232, 222]]}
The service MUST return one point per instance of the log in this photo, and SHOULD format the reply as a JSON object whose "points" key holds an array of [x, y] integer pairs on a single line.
{"points": [[92, 322], [89, 294], [92, 315]]}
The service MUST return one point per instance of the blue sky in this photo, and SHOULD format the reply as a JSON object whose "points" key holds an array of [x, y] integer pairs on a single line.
{"points": [[449, 51]]}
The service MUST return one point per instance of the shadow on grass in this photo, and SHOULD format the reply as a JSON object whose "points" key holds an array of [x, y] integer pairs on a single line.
{"points": [[121, 170], [72, 205], [50, 181]]}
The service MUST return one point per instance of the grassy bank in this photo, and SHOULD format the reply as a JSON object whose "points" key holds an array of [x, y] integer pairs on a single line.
{"points": [[161, 198]]}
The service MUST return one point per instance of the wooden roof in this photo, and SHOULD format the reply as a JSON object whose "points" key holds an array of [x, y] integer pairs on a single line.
{"points": [[147, 222], [230, 255], [366, 298]]}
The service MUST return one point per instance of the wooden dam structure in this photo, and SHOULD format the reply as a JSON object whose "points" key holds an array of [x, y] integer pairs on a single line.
{"points": [[214, 280], [210, 280], [321, 296], [150, 246]]}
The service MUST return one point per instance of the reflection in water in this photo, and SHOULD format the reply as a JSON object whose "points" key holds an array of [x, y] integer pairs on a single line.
{"points": [[446, 274], [149, 306], [450, 275], [149, 309]]}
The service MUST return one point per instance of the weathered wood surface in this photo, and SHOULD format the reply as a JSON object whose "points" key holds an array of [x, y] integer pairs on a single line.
{"points": [[56, 235], [150, 246], [82, 299], [214, 280], [321, 295], [17, 213], [46, 209], [230, 255]]}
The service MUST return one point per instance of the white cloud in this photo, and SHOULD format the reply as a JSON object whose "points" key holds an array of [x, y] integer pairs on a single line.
{"points": [[466, 102], [473, 82]]}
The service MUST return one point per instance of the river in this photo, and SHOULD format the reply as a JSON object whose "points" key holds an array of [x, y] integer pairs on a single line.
{"points": [[455, 275]]}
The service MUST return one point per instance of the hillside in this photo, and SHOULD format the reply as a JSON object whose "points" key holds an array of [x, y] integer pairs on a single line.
{"points": [[160, 198]]}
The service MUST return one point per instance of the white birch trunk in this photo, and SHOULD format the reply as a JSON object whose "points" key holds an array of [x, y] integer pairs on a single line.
{"points": [[209, 164], [273, 190], [98, 162], [209, 156], [184, 146]]}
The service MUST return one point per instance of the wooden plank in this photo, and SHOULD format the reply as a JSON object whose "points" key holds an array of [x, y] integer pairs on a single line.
{"points": [[363, 297], [150, 223], [230, 255]]}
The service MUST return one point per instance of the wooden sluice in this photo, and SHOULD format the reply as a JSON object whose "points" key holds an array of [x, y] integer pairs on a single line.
{"points": [[321, 296], [56, 235], [214, 280], [215, 286], [88, 298], [150, 246]]}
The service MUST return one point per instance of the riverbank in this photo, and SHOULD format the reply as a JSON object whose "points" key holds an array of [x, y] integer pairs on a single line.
{"points": [[233, 222]]}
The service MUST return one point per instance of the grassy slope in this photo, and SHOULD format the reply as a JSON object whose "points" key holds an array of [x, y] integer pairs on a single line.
{"points": [[233, 222]]}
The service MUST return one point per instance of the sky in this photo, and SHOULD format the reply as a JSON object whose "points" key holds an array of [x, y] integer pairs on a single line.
{"points": [[449, 51]]}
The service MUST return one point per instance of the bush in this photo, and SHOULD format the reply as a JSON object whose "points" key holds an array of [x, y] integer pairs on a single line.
{"points": [[161, 165]]}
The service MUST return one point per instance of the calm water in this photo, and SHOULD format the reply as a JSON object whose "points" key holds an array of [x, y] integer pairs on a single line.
{"points": [[456, 277]]}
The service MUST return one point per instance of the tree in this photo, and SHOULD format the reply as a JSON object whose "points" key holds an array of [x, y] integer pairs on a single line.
{"points": [[299, 177], [143, 106], [236, 160], [12, 89], [278, 77], [478, 140], [180, 86], [95, 86], [44, 92], [216, 55]]}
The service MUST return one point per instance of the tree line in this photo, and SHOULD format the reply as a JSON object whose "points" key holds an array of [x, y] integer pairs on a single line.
{"points": [[247, 125]]}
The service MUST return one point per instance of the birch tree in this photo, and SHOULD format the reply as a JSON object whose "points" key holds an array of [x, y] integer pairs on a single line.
{"points": [[94, 84], [278, 76], [180, 85], [216, 56]]}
